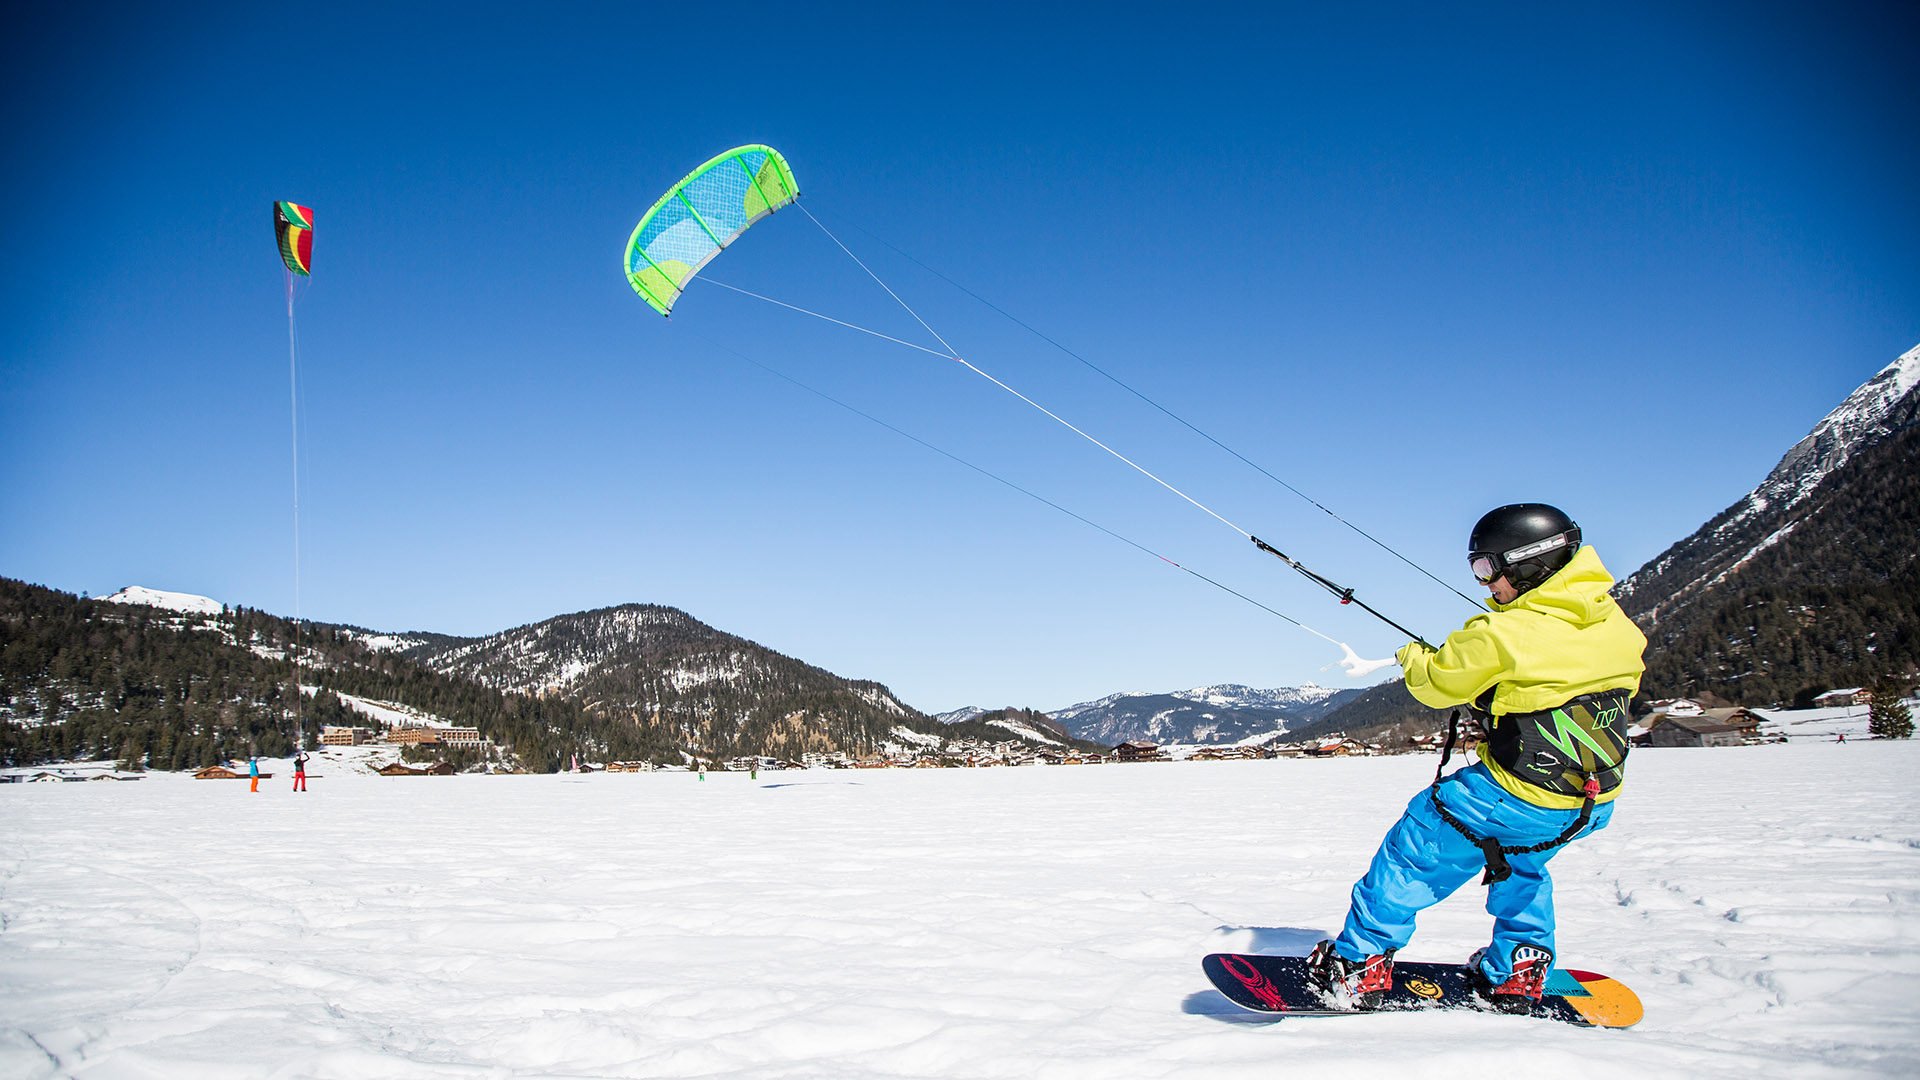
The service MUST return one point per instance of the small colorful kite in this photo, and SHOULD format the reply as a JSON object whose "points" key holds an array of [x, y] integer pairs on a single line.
{"points": [[293, 227]]}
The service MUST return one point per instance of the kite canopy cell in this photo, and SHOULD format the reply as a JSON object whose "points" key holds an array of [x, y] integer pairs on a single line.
{"points": [[701, 215], [293, 227]]}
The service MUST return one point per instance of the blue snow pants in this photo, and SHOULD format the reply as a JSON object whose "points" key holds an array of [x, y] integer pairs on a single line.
{"points": [[1422, 860]]}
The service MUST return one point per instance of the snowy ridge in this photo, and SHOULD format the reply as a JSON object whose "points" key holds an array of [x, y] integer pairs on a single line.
{"points": [[1225, 695], [386, 642], [1764, 517], [1834, 439], [1207, 715], [1026, 731], [660, 663], [556, 655], [185, 603]]}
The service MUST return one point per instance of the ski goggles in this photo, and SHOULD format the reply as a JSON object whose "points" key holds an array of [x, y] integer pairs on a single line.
{"points": [[1488, 565]]}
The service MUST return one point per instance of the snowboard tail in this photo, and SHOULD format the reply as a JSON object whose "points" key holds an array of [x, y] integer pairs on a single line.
{"points": [[1279, 985]]}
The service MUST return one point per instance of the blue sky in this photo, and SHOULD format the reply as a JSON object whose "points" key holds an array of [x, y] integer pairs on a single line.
{"points": [[1415, 262]]}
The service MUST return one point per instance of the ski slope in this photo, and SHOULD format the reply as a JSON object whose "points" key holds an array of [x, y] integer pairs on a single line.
{"points": [[998, 923]]}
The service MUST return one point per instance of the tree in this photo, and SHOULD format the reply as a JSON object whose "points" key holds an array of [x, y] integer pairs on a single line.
{"points": [[1887, 716]]}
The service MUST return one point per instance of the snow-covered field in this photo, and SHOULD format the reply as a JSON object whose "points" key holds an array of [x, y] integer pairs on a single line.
{"points": [[1003, 923]]}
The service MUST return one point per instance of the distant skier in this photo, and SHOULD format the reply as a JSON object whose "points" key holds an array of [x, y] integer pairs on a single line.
{"points": [[1551, 670], [299, 770], [703, 772], [253, 774]]}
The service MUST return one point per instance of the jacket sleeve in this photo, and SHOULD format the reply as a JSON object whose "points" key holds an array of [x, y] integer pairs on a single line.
{"points": [[1459, 671]]}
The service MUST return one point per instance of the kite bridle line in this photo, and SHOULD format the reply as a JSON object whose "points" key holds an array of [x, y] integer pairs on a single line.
{"points": [[1345, 595]]}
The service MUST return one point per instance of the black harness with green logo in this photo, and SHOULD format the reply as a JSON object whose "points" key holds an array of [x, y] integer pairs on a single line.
{"points": [[1576, 748]]}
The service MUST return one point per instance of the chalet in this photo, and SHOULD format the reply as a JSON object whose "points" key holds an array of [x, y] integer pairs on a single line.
{"points": [[1695, 731], [1834, 699], [221, 772], [438, 768], [462, 736], [1137, 750], [630, 766], [1742, 727]]}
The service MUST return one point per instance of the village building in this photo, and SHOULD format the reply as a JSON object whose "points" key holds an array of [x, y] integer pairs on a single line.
{"points": [[1228, 753], [438, 768], [413, 736], [337, 735], [1137, 750], [1730, 728], [1852, 695], [1704, 727]]}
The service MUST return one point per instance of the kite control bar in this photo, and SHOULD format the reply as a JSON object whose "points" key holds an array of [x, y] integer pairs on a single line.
{"points": [[1346, 595]]}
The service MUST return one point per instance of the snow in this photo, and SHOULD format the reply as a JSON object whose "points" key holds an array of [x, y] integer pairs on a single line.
{"points": [[1821, 725], [1025, 731], [975, 923], [186, 603], [387, 714], [386, 642]]}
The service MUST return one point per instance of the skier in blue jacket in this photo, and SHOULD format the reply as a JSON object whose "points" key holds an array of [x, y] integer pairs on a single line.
{"points": [[1551, 668]]}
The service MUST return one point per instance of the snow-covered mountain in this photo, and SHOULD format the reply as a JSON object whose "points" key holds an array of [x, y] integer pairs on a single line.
{"points": [[185, 603], [1812, 580], [660, 666], [1881, 406], [1214, 715]]}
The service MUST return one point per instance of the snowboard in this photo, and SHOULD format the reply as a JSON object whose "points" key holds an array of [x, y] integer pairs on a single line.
{"points": [[1278, 985]]}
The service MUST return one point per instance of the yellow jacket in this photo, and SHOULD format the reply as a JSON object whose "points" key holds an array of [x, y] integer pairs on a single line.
{"points": [[1565, 638]]}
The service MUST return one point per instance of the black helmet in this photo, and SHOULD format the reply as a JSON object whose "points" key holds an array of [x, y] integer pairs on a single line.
{"points": [[1525, 542]]}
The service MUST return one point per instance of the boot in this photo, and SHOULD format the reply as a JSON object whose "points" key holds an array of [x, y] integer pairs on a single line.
{"points": [[1523, 989], [1363, 984]]}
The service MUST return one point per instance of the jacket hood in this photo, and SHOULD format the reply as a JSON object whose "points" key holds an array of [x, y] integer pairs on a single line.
{"points": [[1577, 593]]}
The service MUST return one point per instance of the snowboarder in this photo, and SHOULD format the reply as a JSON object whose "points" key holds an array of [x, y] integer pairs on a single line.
{"points": [[299, 770], [253, 774], [1550, 671]]}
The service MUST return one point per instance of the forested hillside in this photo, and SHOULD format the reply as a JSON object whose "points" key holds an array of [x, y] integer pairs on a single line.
{"points": [[88, 679]]}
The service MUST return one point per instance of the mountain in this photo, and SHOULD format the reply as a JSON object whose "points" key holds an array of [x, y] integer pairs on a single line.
{"points": [[647, 665], [1810, 581], [1207, 715], [181, 681], [185, 603]]}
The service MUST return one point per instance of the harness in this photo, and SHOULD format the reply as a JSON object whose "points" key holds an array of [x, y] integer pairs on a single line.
{"points": [[1584, 753]]}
